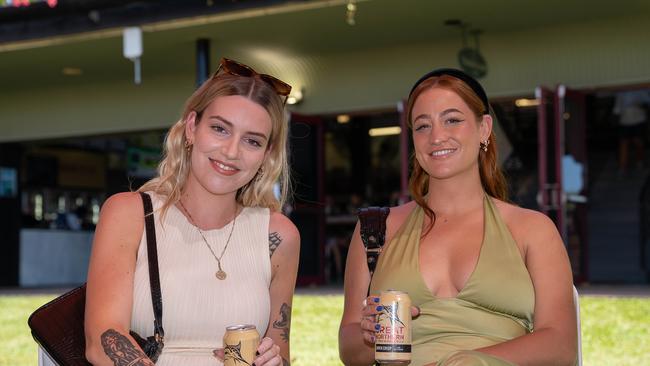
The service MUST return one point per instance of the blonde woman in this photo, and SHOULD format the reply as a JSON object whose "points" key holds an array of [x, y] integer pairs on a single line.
{"points": [[226, 254]]}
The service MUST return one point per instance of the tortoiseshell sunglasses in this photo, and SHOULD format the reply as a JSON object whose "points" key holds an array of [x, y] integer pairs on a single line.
{"points": [[238, 69]]}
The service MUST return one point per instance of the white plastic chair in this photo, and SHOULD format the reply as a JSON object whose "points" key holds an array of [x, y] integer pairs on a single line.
{"points": [[576, 302], [44, 359]]}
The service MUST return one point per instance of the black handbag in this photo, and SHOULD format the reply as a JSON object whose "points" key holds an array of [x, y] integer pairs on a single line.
{"points": [[372, 222], [58, 326]]}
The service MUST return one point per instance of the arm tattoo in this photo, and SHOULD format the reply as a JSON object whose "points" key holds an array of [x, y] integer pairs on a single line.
{"points": [[274, 242], [121, 351], [284, 321]]}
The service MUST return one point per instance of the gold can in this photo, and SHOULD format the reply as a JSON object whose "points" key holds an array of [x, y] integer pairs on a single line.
{"points": [[393, 339], [240, 345]]}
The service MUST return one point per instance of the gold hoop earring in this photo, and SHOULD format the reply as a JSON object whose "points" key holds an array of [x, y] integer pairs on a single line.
{"points": [[484, 145]]}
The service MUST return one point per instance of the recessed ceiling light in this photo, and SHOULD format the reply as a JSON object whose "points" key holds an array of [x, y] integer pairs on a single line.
{"points": [[343, 118], [71, 71], [453, 22], [523, 102], [384, 131], [295, 97]]}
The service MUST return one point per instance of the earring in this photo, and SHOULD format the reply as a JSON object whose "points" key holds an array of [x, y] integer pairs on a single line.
{"points": [[188, 146], [259, 175], [484, 145]]}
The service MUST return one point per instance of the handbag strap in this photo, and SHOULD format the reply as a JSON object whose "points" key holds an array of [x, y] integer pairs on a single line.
{"points": [[373, 233], [154, 277]]}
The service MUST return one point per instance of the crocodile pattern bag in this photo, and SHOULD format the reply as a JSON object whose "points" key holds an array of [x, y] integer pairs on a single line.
{"points": [[58, 326]]}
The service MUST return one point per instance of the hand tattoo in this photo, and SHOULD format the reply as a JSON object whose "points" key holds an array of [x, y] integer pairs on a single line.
{"points": [[274, 242], [284, 322], [121, 351]]}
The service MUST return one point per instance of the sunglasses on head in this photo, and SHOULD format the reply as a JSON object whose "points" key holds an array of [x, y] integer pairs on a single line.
{"points": [[233, 67]]}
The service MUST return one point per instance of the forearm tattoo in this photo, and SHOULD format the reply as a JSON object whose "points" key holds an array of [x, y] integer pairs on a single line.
{"points": [[284, 321], [121, 351], [274, 242]]}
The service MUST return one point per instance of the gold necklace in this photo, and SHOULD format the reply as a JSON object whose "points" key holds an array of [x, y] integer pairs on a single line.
{"points": [[220, 274]]}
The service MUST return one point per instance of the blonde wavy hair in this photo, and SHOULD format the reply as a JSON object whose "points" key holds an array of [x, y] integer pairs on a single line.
{"points": [[174, 168]]}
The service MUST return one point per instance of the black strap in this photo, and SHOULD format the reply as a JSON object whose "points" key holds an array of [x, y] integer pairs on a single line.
{"points": [[154, 278], [373, 233], [372, 222]]}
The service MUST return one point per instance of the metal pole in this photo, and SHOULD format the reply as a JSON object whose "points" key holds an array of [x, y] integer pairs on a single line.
{"points": [[202, 60]]}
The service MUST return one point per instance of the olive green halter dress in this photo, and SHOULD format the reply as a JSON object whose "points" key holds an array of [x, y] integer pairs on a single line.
{"points": [[496, 304]]}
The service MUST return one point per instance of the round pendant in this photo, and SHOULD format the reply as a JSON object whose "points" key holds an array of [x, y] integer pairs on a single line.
{"points": [[220, 275]]}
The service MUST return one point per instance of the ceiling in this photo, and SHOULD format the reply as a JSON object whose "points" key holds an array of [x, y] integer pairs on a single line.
{"points": [[289, 29]]}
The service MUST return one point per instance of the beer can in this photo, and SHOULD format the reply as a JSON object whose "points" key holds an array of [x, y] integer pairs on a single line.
{"points": [[240, 345], [393, 340]]}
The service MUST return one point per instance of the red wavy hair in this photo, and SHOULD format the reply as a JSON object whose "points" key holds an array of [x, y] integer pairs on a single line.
{"points": [[492, 179]]}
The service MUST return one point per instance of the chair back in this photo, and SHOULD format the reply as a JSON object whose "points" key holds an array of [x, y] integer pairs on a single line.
{"points": [[576, 302], [44, 359]]}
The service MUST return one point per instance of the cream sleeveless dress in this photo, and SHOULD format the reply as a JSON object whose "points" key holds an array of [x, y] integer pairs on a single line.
{"points": [[197, 306]]}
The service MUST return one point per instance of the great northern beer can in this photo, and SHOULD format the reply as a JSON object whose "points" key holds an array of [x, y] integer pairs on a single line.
{"points": [[393, 340], [240, 345]]}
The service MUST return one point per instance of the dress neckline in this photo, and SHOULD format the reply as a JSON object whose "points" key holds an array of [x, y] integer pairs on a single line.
{"points": [[427, 290], [226, 227]]}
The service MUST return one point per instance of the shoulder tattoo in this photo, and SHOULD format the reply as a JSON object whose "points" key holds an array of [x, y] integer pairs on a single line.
{"points": [[284, 322], [274, 242], [121, 351]]}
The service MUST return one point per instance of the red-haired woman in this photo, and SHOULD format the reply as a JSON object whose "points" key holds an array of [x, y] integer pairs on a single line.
{"points": [[491, 281]]}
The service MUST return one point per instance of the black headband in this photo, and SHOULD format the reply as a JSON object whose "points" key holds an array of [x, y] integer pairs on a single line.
{"points": [[470, 81]]}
